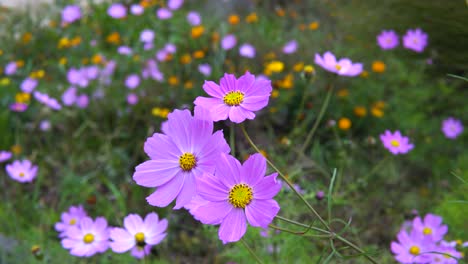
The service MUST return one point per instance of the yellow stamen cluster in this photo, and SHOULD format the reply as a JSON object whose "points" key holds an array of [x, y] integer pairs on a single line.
{"points": [[140, 239], [88, 238], [414, 250], [72, 221], [233, 98], [427, 231], [394, 143], [187, 161], [240, 195]]}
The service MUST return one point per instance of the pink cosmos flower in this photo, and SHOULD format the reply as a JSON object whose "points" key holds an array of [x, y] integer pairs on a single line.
{"points": [[170, 48], [228, 42], [70, 218], [87, 238], [247, 50], [124, 50], [187, 149], [236, 99], [431, 227], [77, 77], [138, 235], [18, 107], [175, 4], [71, 13], [194, 18], [47, 100], [132, 99], [205, 69], [163, 13], [388, 39], [69, 96], [147, 36], [452, 127], [91, 72], [5, 155], [344, 66], [28, 85], [413, 248], [395, 142], [137, 10], [290, 47], [45, 125], [238, 194], [82, 101], [117, 11], [22, 171], [10, 68], [445, 255], [415, 39], [132, 81]]}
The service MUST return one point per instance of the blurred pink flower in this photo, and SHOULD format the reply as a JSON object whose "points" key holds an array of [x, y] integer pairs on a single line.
{"points": [[22, 171], [194, 18], [290, 47], [136, 10], [28, 85], [415, 39], [247, 50], [228, 42], [175, 4], [117, 11], [163, 13], [344, 66], [71, 13], [388, 39]]}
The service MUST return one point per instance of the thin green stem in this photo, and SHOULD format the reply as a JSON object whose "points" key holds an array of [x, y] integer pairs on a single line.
{"points": [[232, 138], [300, 233], [317, 121], [251, 251], [285, 179]]}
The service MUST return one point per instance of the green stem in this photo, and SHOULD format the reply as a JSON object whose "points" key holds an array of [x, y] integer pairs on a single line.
{"points": [[317, 121], [251, 251], [301, 107], [232, 138], [285, 179], [300, 233]]}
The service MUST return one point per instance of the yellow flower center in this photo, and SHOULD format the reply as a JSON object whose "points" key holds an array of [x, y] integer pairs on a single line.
{"points": [[240, 195], [88, 238], [394, 143], [427, 231], [72, 221], [338, 67], [21, 174], [140, 239], [414, 250], [187, 161], [233, 98]]}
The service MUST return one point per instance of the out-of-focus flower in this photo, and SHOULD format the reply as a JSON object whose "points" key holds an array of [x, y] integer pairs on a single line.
{"points": [[360, 111], [233, 19], [378, 66], [45, 125], [396, 143], [197, 31], [452, 127], [117, 11], [47, 100], [163, 13], [69, 96], [274, 67], [71, 13], [290, 47], [28, 85], [319, 195], [82, 101], [194, 18], [18, 107], [314, 25], [415, 39], [228, 42], [87, 238], [132, 81], [72, 217], [124, 50], [247, 50], [251, 18], [138, 235], [5, 155], [344, 123], [10, 68], [175, 4], [22, 171], [137, 10], [147, 36], [113, 38], [344, 66], [388, 39], [132, 99], [205, 69]]}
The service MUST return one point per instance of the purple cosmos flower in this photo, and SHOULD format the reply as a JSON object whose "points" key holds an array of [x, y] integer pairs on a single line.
{"points": [[415, 39], [72, 217], [82, 101], [431, 227], [290, 47], [247, 50], [413, 248], [238, 194], [170, 48], [132, 81], [47, 100], [5, 155], [117, 11], [344, 66], [319, 195], [28, 85], [194, 18], [388, 39], [148, 46], [228, 42], [124, 50], [445, 255], [18, 107], [138, 235], [161, 55], [163, 13], [147, 36], [205, 69], [137, 10], [71, 13], [22, 171], [152, 70], [69, 96], [175, 4], [395, 142], [77, 77], [45, 125], [452, 127], [10, 68], [132, 99], [236, 99], [87, 238], [187, 149], [91, 72]]}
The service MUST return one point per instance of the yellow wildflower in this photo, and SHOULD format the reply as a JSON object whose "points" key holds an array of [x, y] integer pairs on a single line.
{"points": [[314, 25], [26, 38], [377, 112], [344, 123], [113, 38], [19, 63], [185, 59], [364, 74], [251, 18], [188, 85], [173, 80], [97, 59], [378, 66], [16, 149], [197, 31], [75, 41], [342, 93], [199, 54], [298, 67], [233, 19], [360, 111], [63, 43], [5, 81], [275, 93], [63, 61], [23, 98]]}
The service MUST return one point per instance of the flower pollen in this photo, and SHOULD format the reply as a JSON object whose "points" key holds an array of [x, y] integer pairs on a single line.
{"points": [[187, 161], [72, 221], [233, 98], [21, 174], [395, 143], [140, 239], [240, 195], [414, 250], [427, 231], [88, 238], [338, 67]]}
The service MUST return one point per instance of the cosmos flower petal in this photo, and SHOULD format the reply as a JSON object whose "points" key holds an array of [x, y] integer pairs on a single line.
{"points": [[237, 115], [213, 89], [132, 223], [233, 226], [121, 246], [154, 240], [187, 192], [228, 83], [267, 188], [213, 212], [254, 103], [230, 168], [166, 193], [260, 213], [253, 169], [211, 188], [160, 146], [153, 173]]}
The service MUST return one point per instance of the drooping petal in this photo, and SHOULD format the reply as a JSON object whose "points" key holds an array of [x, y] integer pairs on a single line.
{"points": [[233, 227], [260, 213]]}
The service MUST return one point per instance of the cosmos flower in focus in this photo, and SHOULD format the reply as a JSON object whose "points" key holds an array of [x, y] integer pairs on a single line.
{"points": [[452, 127], [411, 248], [344, 66], [22, 171], [87, 238], [236, 99], [388, 39], [415, 39], [396, 143], [430, 226], [138, 235]]}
